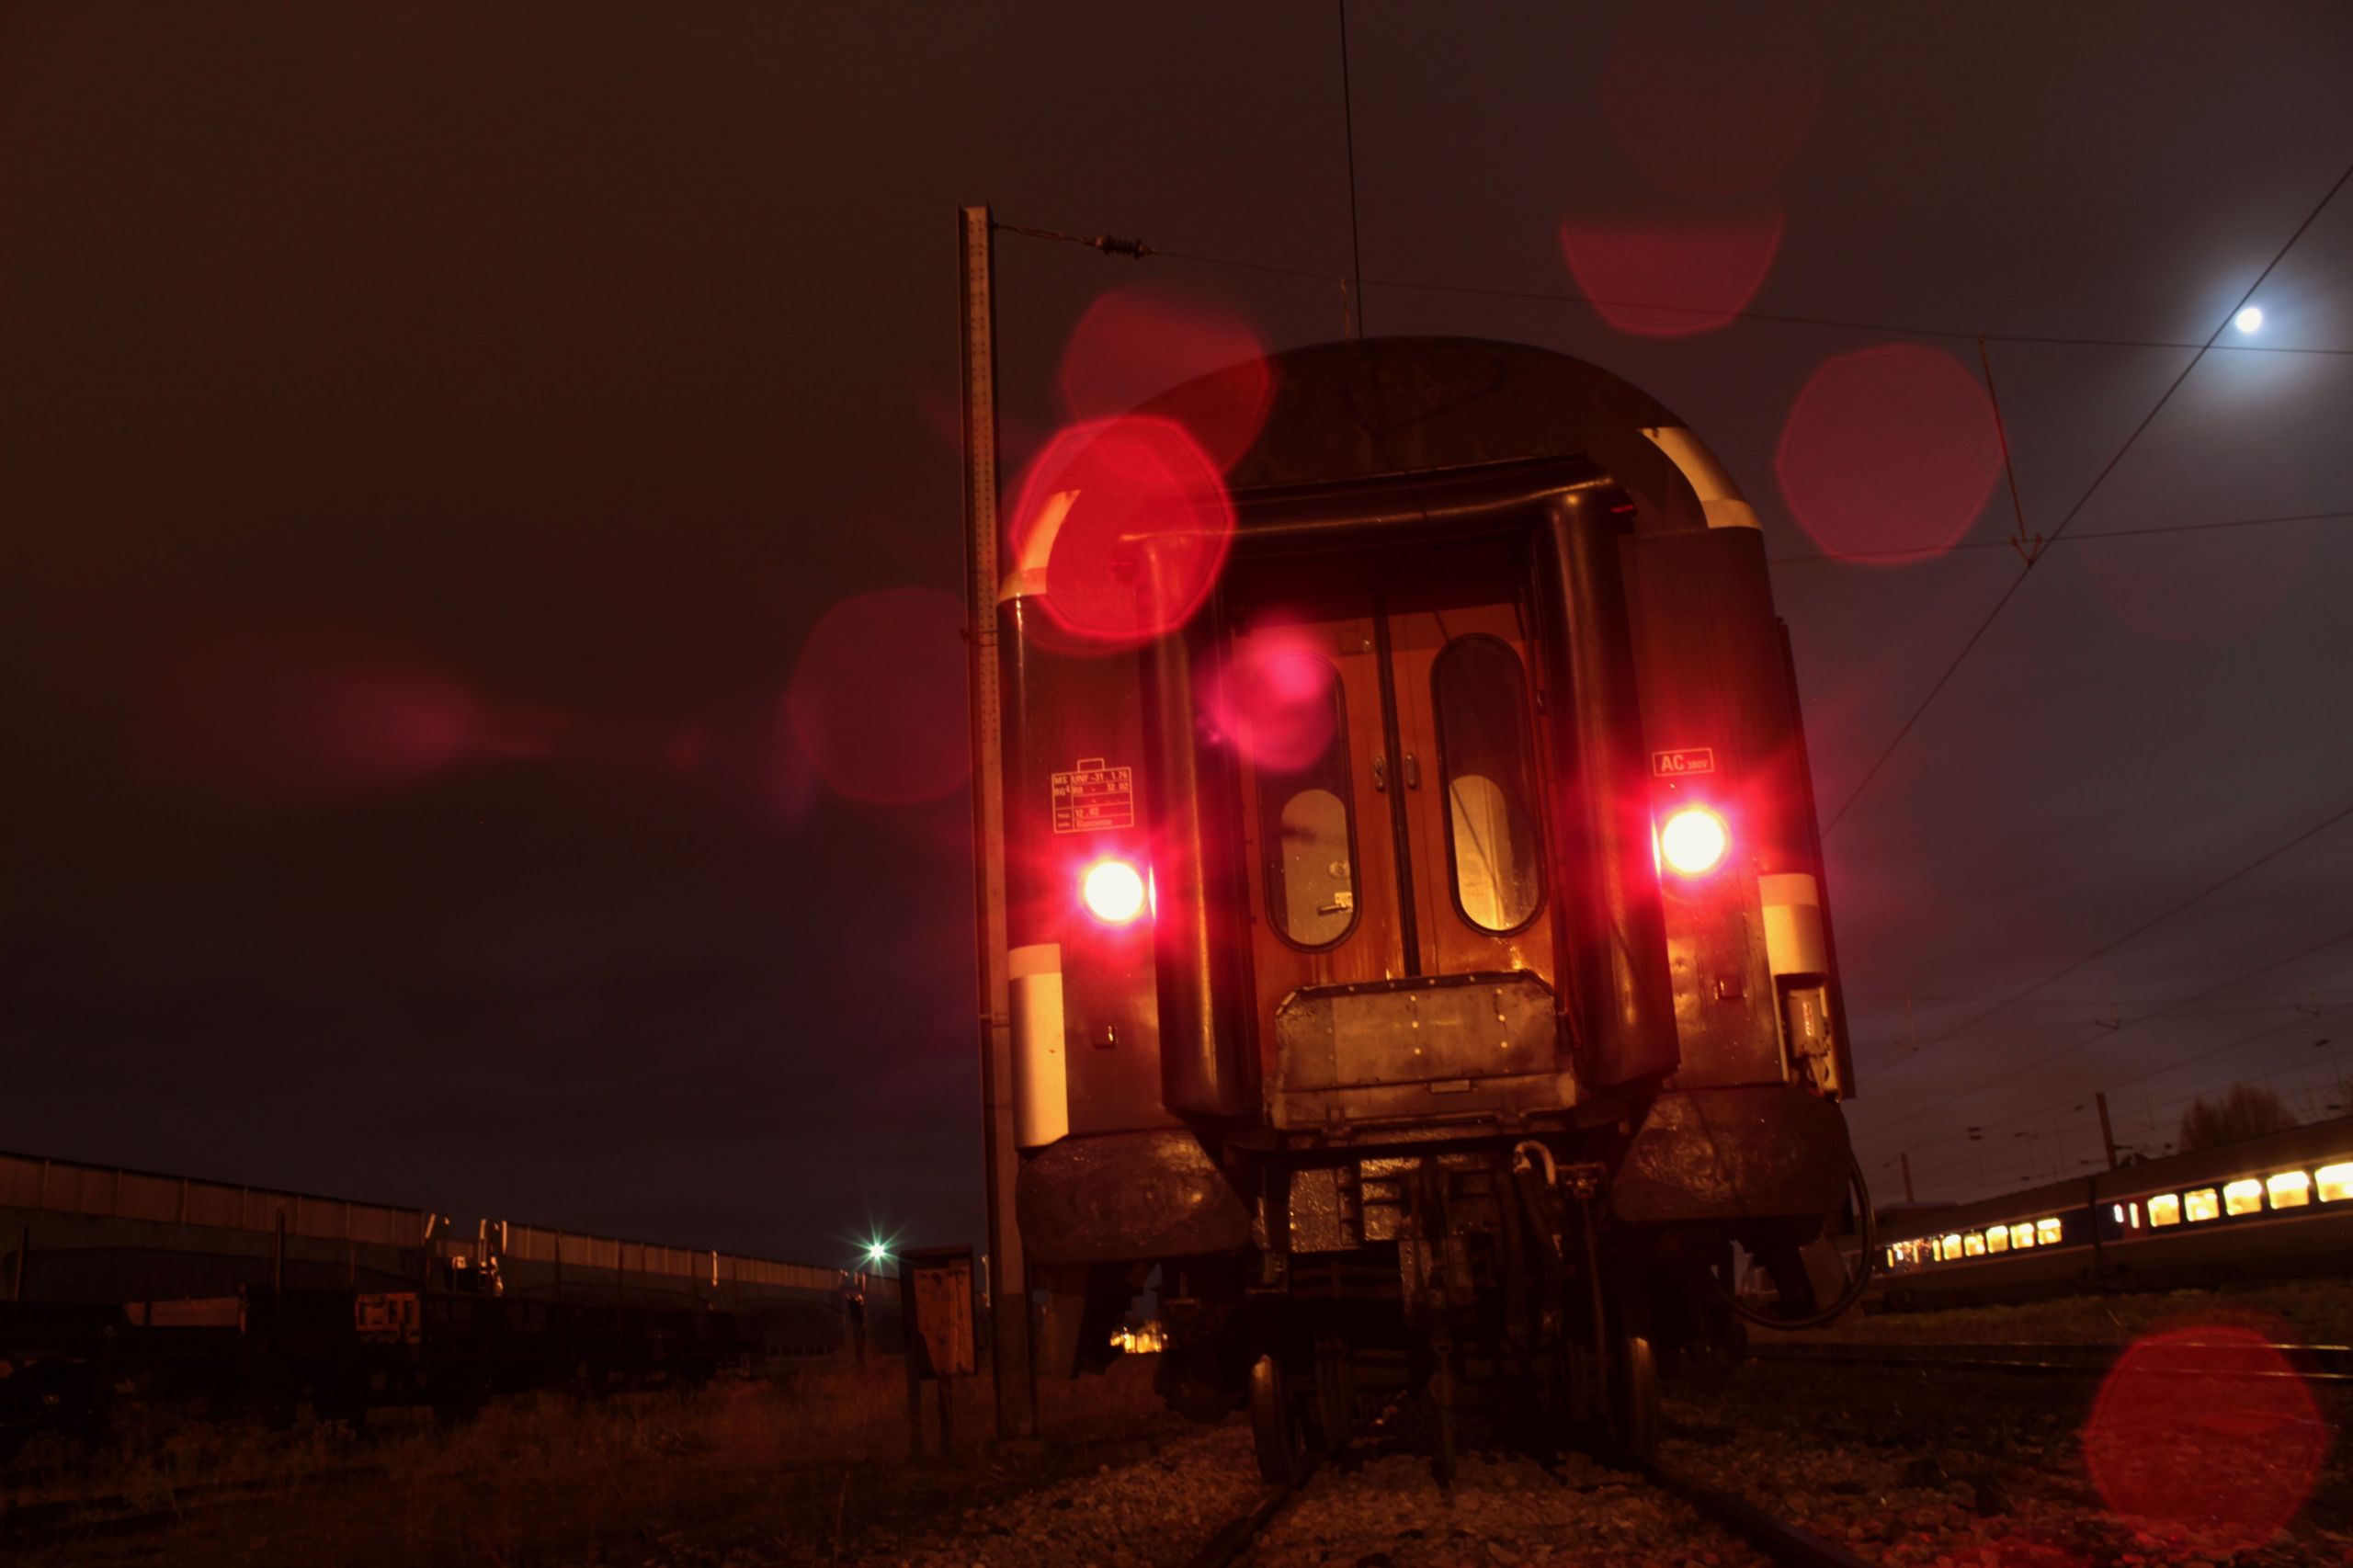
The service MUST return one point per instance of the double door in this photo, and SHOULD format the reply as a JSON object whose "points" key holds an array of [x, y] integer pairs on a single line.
{"points": [[1392, 796]]}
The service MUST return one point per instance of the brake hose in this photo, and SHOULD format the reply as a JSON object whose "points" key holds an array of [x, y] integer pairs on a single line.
{"points": [[1866, 1260]]}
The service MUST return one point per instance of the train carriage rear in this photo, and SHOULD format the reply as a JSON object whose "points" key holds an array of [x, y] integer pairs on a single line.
{"points": [[1418, 955]]}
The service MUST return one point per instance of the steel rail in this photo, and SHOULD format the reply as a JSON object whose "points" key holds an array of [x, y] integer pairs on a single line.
{"points": [[2310, 1363], [1236, 1536], [1793, 1546]]}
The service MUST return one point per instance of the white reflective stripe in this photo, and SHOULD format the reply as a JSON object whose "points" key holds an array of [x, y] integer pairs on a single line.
{"points": [[1720, 498], [1727, 512], [1028, 577], [1039, 958], [1794, 943], [1041, 1075]]}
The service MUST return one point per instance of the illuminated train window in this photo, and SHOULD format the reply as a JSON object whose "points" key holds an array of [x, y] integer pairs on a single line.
{"points": [[1973, 1244], [1481, 696], [2290, 1190], [2047, 1232], [1951, 1247], [2243, 1196], [2201, 1204], [1997, 1239], [1305, 834], [2165, 1209], [2022, 1235], [2335, 1182]]}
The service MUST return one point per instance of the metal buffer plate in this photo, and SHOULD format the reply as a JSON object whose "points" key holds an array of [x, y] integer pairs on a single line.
{"points": [[1400, 1048]]}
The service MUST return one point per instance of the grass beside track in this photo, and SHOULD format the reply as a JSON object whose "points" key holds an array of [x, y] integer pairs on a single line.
{"points": [[791, 1465]]}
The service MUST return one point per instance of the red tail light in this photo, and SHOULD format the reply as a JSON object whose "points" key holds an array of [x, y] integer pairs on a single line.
{"points": [[1112, 891], [1692, 841]]}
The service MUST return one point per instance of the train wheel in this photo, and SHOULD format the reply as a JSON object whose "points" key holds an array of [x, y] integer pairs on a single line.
{"points": [[1633, 1398], [1274, 1428]]}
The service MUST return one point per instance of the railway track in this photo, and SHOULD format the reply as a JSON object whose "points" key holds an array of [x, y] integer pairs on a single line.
{"points": [[2311, 1363], [1740, 1516], [1782, 1542]]}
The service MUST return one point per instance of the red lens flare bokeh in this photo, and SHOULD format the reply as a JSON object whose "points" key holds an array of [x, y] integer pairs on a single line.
{"points": [[1278, 706], [2209, 1428], [878, 697], [1887, 449], [1129, 523], [1672, 275], [286, 717], [1134, 344], [1714, 102]]}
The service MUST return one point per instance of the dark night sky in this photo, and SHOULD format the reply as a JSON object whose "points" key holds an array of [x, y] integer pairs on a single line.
{"points": [[429, 436]]}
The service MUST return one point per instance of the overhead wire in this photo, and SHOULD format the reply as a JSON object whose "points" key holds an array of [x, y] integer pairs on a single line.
{"points": [[2107, 1032], [2136, 932], [2113, 1025], [2110, 467], [1851, 994], [2063, 1126], [1810, 558], [1842, 324], [1139, 249], [1348, 120], [2281, 1078], [2306, 1019], [2053, 1122], [2131, 935]]}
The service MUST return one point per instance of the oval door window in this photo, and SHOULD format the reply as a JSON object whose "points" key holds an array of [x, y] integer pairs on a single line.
{"points": [[1481, 697], [1300, 745]]}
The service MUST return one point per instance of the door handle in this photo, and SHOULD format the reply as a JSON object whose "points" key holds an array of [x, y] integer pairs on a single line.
{"points": [[1380, 772], [1412, 772]]}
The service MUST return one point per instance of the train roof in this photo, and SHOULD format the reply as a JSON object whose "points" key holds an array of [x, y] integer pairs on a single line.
{"points": [[1389, 407], [38, 1183]]}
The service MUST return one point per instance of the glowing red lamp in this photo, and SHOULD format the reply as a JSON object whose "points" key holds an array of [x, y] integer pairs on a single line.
{"points": [[1692, 841], [1112, 891]]}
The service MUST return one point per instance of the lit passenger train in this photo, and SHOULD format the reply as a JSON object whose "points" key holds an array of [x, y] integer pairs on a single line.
{"points": [[2274, 1208]]}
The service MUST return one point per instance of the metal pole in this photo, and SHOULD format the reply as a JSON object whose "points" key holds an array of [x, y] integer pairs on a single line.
{"points": [[1009, 1301], [2106, 1137], [1906, 1162]]}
